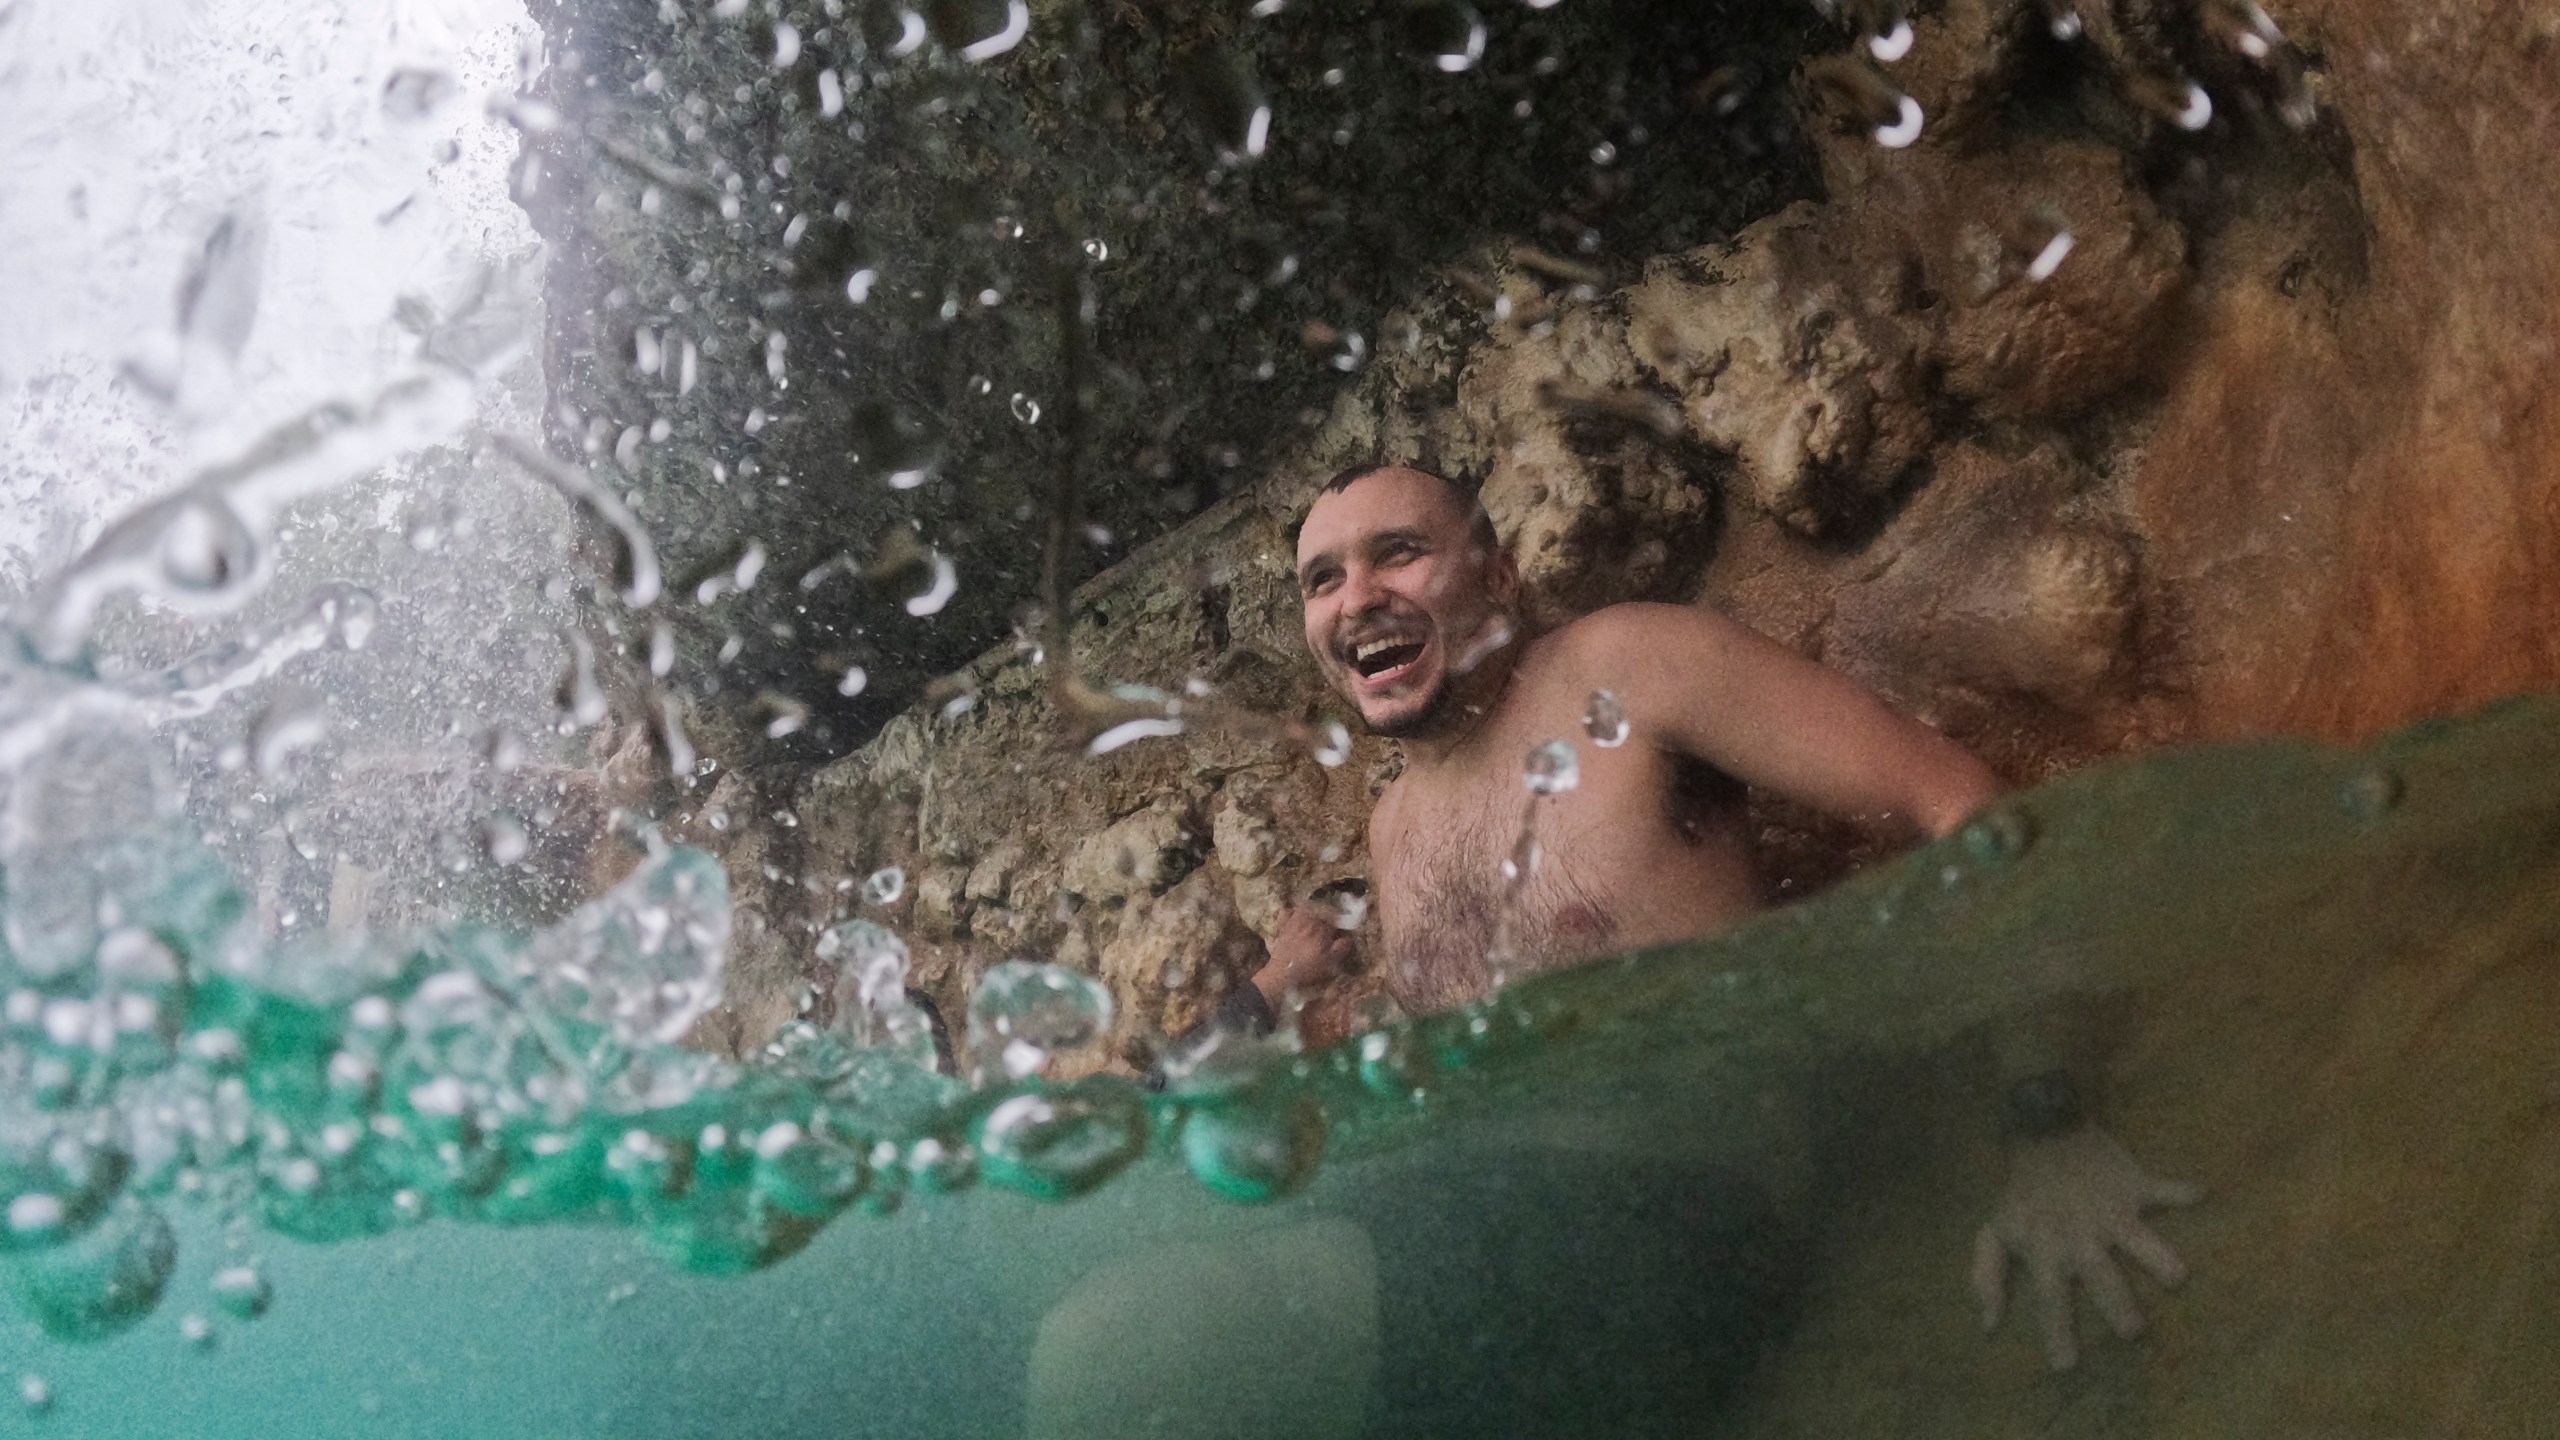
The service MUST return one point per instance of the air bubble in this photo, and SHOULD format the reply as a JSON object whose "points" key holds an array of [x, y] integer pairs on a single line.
{"points": [[1025, 409], [1255, 1148], [2370, 794], [242, 1291], [884, 885], [1999, 836], [1059, 1144]]}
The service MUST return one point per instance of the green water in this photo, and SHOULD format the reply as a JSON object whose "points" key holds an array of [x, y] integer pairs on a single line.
{"points": [[662, 1248]]}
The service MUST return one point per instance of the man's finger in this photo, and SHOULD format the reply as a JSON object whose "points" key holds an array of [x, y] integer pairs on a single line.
{"points": [[1990, 1276], [2053, 1306], [2152, 1253], [2155, 1191], [2109, 1293]]}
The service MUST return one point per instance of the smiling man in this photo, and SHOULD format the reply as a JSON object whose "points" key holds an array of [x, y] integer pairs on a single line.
{"points": [[1412, 615]]}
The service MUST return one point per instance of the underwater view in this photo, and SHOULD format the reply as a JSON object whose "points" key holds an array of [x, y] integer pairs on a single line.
{"points": [[1293, 718]]}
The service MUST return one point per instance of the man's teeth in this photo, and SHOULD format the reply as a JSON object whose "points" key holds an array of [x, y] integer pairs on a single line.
{"points": [[1374, 646]]}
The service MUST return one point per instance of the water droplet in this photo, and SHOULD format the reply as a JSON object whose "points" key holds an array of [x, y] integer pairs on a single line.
{"points": [[1149, 727], [981, 30], [242, 1291], [196, 1331], [894, 444], [662, 649], [1024, 1014], [1387, 1063], [1893, 44], [1604, 719], [1552, 768], [1025, 409], [870, 985], [853, 681], [35, 1395], [1905, 128], [885, 885], [2370, 794], [785, 715], [581, 698], [1255, 1148], [945, 583], [1230, 104], [1057, 1144], [502, 750], [1333, 744], [2198, 110], [786, 46], [673, 742], [1097, 250], [296, 719], [1446, 35], [350, 613], [641, 577], [502, 839], [2050, 258]]}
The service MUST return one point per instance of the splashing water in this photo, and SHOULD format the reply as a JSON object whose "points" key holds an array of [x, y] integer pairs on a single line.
{"points": [[1026, 1015]]}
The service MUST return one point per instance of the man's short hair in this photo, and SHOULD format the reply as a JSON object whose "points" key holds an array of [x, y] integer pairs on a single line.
{"points": [[1479, 522]]}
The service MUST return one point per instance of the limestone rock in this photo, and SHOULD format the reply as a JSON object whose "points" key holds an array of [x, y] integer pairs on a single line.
{"points": [[1139, 855], [2015, 345], [939, 905], [1175, 955], [1594, 484], [2002, 587], [1778, 359], [991, 878], [1245, 844]]}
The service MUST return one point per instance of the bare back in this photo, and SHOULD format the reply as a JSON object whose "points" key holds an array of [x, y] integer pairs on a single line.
{"points": [[1649, 847]]}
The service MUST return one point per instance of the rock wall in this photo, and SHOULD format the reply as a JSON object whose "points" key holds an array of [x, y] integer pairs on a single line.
{"points": [[806, 260], [2266, 449]]}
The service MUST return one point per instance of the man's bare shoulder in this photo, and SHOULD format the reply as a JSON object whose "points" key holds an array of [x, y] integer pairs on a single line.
{"points": [[1633, 631]]}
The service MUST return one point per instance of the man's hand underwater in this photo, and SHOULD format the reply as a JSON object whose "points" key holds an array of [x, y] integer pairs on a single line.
{"points": [[2072, 1198], [1310, 949]]}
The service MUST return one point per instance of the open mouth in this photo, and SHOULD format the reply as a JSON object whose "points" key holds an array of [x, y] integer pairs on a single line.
{"points": [[1383, 659]]}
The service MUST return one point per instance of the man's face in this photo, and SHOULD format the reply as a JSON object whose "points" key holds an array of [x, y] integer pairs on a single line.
{"points": [[1401, 601]]}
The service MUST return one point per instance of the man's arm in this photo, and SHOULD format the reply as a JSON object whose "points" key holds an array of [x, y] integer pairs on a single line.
{"points": [[1704, 685]]}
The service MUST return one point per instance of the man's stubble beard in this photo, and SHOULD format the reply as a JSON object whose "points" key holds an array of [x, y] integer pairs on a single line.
{"points": [[1419, 721]]}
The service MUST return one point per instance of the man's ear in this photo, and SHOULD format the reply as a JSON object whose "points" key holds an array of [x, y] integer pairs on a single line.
{"points": [[1502, 579]]}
